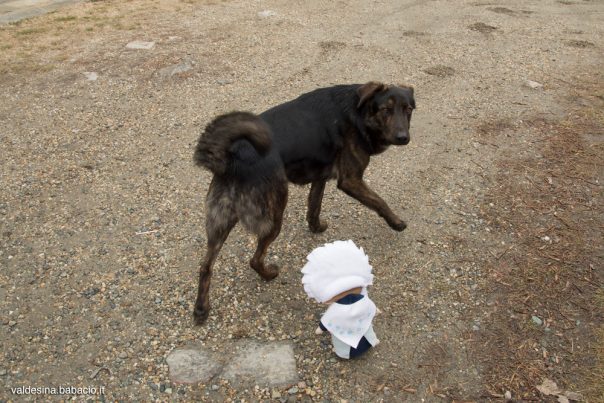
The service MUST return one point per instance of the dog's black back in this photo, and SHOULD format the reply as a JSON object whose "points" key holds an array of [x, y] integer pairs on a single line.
{"points": [[308, 131]]}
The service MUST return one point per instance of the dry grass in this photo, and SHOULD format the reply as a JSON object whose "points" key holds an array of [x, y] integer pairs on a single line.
{"points": [[43, 43], [551, 204]]}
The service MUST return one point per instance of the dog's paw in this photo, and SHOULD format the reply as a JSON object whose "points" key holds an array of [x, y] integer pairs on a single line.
{"points": [[270, 272], [318, 227], [398, 225], [200, 316]]}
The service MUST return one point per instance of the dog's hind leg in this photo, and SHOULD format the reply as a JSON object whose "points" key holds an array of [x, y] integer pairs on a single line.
{"points": [[267, 272], [268, 229], [315, 198], [219, 223]]}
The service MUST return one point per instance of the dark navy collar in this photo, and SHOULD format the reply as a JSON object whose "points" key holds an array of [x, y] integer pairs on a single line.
{"points": [[349, 299]]}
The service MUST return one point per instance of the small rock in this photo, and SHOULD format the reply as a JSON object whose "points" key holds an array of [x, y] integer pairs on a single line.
{"points": [[537, 320], [162, 387], [90, 292], [140, 45], [152, 385], [2, 372], [508, 395], [168, 391], [548, 388], [276, 394], [173, 70], [570, 395], [91, 75], [293, 390], [215, 387], [266, 13], [12, 323], [533, 84], [123, 355]]}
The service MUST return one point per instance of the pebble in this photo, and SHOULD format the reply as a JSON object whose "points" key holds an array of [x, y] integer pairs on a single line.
{"points": [[293, 390], [533, 84], [171, 71], [537, 320], [266, 13], [91, 75], [140, 45]]}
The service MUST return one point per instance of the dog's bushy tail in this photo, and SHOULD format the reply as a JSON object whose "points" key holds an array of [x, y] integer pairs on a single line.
{"points": [[213, 149]]}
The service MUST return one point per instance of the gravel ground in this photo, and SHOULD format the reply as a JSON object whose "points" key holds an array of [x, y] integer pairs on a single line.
{"points": [[102, 209]]}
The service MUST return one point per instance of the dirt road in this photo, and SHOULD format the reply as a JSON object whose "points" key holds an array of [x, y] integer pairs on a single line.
{"points": [[494, 286]]}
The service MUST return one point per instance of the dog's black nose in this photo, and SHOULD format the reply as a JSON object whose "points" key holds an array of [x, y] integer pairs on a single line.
{"points": [[402, 138]]}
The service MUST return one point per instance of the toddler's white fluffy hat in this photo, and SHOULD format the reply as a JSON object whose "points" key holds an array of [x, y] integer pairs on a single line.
{"points": [[334, 268]]}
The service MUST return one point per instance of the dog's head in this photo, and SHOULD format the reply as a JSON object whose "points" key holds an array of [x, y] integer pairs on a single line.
{"points": [[386, 112]]}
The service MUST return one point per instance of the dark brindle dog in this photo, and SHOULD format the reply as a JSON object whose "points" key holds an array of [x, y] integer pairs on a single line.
{"points": [[324, 134]]}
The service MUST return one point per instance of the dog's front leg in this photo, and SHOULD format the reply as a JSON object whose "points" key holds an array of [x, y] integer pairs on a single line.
{"points": [[315, 198], [357, 188]]}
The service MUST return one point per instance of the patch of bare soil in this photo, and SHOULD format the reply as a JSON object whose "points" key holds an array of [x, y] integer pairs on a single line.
{"points": [[440, 71], [549, 303], [482, 28], [579, 44]]}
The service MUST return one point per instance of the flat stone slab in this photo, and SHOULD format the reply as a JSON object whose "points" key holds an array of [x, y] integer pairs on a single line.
{"points": [[246, 362], [140, 45], [176, 69], [263, 364], [192, 366], [91, 75]]}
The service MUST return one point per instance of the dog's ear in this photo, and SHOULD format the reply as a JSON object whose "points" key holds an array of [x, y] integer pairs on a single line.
{"points": [[406, 87], [366, 91], [410, 88]]}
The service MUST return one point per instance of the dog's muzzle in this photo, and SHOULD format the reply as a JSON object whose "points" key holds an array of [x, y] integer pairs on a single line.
{"points": [[402, 139]]}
